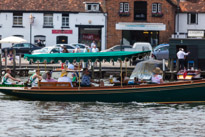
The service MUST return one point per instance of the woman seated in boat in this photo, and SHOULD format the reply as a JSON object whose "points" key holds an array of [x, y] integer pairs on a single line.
{"points": [[49, 77], [64, 78], [8, 76], [157, 77], [34, 77]]}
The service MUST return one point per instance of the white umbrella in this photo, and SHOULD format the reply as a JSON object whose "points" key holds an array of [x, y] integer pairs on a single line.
{"points": [[13, 39]]}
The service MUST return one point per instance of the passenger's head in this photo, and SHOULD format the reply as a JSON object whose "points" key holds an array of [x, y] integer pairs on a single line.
{"points": [[44, 76], [157, 70], [8, 70], [38, 71], [85, 71], [48, 75], [64, 73], [181, 49]]}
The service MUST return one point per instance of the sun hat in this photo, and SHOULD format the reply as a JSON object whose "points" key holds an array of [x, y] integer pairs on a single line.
{"points": [[157, 70], [64, 73]]}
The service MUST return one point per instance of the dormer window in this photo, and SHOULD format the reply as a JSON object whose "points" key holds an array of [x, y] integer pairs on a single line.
{"points": [[92, 6]]}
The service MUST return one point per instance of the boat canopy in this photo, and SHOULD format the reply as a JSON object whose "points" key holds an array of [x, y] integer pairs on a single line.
{"points": [[100, 56]]}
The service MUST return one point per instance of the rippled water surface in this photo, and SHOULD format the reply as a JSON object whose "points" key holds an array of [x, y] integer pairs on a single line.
{"points": [[36, 118]]}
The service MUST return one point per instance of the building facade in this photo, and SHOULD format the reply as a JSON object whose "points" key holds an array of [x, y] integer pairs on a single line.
{"points": [[140, 21], [61, 23]]}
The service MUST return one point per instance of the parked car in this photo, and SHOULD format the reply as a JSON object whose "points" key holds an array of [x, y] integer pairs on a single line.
{"points": [[82, 46], [21, 48], [46, 50], [161, 52], [70, 47], [117, 48]]}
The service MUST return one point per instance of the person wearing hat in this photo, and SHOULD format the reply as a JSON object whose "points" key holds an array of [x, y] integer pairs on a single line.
{"points": [[181, 57], [157, 77], [64, 78]]}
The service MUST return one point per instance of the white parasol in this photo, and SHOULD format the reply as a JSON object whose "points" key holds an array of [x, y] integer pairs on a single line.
{"points": [[13, 39]]}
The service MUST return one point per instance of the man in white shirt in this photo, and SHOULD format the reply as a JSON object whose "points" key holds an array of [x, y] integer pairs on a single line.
{"points": [[181, 57], [95, 49]]}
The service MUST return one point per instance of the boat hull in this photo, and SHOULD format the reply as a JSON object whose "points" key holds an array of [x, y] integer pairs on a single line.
{"points": [[172, 93]]}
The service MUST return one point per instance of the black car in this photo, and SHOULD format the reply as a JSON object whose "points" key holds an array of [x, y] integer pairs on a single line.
{"points": [[22, 48]]}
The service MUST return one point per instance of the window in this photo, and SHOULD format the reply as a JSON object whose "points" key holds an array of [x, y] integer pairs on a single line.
{"points": [[17, 19], [62, 39], [92, 6], [124, 7], [140, 10], [156, 8], [48, 20], [192, 18], [55, 50], [40, 40], [65, 20]]}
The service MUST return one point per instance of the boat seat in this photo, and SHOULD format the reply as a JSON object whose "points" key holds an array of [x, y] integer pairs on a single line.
{"points": [[54, 85]]}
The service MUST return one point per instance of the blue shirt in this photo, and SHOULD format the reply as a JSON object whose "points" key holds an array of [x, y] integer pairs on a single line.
{"points": [[85, 80]]}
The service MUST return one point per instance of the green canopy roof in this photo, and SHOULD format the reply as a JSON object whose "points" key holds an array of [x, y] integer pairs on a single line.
{"points": [[107, 56]]}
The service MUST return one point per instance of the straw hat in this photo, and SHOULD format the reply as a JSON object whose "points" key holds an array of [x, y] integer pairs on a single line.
{"points": [[157, 70], [64, 73]]}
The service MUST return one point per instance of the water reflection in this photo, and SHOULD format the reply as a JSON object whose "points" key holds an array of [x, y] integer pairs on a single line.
{"points": [[37, 118]]}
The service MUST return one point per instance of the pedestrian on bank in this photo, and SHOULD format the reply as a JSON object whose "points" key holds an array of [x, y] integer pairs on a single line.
{"points": [[181, 57]]}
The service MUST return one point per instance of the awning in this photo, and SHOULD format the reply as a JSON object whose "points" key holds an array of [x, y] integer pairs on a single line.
{"points": [[141, 26], [106, 56]]}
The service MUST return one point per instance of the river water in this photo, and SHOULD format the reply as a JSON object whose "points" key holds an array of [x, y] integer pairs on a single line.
{"points": [[36, 118]]}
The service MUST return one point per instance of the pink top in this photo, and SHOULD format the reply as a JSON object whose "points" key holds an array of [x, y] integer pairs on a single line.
{"points": [[51, 80], [156, 78]]}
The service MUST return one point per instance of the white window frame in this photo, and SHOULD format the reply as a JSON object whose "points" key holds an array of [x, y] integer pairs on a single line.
{"points": [[17, 19], [92, 6], [65, 20], [156, 7], [48, 20], [189, 18], [124, 7]]}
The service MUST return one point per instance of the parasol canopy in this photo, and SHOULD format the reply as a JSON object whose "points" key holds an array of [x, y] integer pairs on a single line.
{"points": [[106, 56], [13, 39]]}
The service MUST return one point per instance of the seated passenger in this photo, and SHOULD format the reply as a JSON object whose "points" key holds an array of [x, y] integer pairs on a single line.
{"points": [[157, 78], [34, 77], [86, 79], [49, 77], [64, 78], [123, 77], [8, 76], [44, 77]]}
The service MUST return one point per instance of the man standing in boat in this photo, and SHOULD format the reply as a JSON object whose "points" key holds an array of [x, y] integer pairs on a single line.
{"points": [[181, 57]]}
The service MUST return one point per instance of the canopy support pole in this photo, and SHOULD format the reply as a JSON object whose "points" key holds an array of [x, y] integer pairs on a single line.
{"points": [[79, 75], [126, 67], [100, 72], [45, 66], [38, 65], [121, 71]]}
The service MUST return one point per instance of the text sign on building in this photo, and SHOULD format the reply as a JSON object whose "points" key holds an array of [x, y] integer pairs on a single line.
{"points": [[196, 33], [62, 32]]}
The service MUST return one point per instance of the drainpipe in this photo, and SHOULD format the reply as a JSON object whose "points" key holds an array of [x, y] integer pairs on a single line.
{"points": [[178, 8]]}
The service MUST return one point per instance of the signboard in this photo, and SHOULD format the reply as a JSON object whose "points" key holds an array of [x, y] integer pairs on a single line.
{"points": [[90, 37], [62, 31], [196, 33], [141, 26]]}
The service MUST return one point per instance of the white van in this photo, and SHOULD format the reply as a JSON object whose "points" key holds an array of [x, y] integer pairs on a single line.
{"points": [[142, 46]]}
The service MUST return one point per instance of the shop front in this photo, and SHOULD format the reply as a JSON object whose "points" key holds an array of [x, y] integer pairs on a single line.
{"points": [[140, 32], [88, 34]]}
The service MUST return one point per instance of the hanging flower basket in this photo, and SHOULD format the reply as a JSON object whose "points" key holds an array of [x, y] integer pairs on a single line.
{"points": [[157, 14], [125, 14]]}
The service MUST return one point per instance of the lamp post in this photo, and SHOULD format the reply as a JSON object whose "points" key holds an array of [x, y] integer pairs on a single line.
{"points": [[31, 17]]}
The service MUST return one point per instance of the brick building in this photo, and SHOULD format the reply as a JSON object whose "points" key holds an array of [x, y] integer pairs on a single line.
{"points": [[140, 20]]}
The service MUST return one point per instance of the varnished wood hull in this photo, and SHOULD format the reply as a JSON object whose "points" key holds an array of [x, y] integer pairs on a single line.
{"points": [[180, 92]]}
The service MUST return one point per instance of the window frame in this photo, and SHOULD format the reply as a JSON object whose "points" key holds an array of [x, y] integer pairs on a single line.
{"points": [[124, 7], [189, 18], [19, 19], [48, 20], [65, 20], [92, 7], [156, 8]]}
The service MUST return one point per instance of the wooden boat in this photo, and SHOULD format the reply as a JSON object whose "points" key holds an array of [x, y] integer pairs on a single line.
{"points": [[177, 92]]}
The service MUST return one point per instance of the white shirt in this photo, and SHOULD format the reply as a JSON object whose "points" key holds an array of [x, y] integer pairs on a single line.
{"points": [[181, 54], [71, 66], [65, 79], [156, 79], [95, 50]]}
